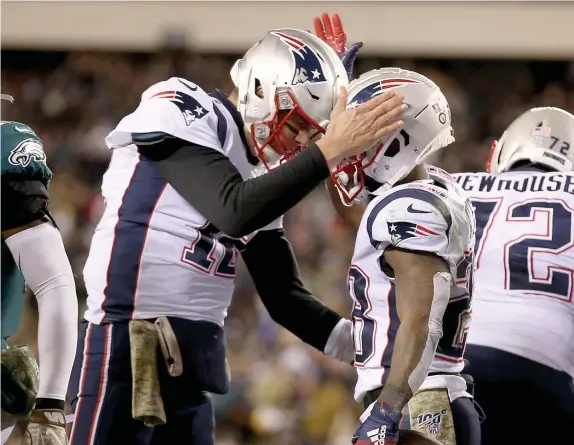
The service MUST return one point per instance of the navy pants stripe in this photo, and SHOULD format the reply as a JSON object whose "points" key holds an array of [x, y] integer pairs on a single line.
{"points": [[100, 392], [92, 383]]}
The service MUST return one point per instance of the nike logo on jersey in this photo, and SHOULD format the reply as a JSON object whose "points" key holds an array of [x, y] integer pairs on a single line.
{"points": [[22, 129], [189, 85], [410, 209]]}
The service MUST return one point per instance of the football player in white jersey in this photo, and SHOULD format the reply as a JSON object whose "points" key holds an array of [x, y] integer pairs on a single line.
{"points": [[184, 196], [411, 273], [521, 344], [398, 249]]}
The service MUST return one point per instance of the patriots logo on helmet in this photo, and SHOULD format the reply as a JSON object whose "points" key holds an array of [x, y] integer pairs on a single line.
{"points": [[188, 105], [377, 88], [307, 64]]}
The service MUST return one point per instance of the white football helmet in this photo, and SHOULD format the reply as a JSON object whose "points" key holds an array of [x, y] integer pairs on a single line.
{"points": [[297, 73], [426, 129], [543, 136]]}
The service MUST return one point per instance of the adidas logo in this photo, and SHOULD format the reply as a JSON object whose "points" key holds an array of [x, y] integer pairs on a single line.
{"points": [[378, 436]]}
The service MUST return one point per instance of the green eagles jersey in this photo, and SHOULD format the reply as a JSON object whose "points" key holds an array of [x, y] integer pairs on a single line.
{"points": [[22, 153], [22, 157]]}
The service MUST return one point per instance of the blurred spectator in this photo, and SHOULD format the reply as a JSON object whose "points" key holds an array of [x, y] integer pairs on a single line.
{"points": [[282, 391]]}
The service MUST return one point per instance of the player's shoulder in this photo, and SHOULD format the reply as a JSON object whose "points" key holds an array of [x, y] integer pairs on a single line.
{"points": [[184, 94], [14, 132], [417, 210], [175, 107], [22, 151], [413, 200]]}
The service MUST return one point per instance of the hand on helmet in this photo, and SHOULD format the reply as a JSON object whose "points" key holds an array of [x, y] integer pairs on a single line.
{"points": [[331, 32], [353, 131]]}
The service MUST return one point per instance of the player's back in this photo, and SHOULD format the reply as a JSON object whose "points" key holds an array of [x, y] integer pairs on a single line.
{"points": [[153, 253], [428, 216], [524, 278]]}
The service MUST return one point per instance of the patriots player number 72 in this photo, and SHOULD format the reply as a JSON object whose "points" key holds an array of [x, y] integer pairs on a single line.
{"points": [[553, 217]]}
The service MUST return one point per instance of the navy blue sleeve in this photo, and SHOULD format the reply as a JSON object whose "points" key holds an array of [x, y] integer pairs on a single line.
{"points": [[209, 181], [272, 265]]}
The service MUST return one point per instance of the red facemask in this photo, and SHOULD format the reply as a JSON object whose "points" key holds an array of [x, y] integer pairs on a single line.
{"points": [[353, 168], [277, 141]]}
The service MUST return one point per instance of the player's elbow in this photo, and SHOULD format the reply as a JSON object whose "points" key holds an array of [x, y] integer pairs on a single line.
{"points": [[237, 223], [233, 227]]}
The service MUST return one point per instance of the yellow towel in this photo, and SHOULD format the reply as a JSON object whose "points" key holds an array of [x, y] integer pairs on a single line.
{"points": [[147, 403]]}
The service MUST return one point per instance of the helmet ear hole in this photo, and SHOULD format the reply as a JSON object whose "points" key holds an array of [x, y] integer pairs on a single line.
{"points": [[258, 89], [393, 149]]}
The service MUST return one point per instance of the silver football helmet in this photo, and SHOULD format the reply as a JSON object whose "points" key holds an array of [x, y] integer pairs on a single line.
{"points": [[426, 129], [288, 71], [542, 136]]}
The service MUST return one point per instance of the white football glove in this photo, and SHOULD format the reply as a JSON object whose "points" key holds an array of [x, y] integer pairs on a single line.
{"points": [[340, 343]]}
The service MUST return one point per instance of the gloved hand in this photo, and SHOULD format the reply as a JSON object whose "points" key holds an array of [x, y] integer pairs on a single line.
{"points": [[380, 427], [333, 34], [340, 343], [46, 427]]}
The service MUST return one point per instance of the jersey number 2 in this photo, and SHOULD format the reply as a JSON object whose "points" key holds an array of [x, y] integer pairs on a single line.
{"points": [[519, 254]]}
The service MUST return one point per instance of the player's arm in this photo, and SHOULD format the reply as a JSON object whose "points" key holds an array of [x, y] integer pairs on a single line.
{"points": [[350, 215], [412, 227], [272, 265], [422, 286], [209, 181], [38, 250]]}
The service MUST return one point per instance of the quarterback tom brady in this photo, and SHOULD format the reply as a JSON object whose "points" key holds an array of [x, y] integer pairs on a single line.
{"points": [[195, 180], [33, 254], [521, 345]]}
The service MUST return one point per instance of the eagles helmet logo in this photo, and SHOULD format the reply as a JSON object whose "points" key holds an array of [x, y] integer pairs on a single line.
{"points": [[27, 151]]}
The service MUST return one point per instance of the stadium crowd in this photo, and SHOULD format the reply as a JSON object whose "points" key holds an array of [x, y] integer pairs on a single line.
{"points": [[282, 391]]}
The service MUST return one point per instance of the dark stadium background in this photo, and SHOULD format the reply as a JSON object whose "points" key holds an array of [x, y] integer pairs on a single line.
{"points": [[282, 391]]}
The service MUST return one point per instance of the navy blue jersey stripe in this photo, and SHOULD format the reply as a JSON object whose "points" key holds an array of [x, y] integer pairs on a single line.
{"points": [[419, 194], [221, 125], [140, 199]]}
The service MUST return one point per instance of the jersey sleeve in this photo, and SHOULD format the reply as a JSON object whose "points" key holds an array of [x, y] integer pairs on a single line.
{"points": [[410, 219], [173, 108], [23, 156]]}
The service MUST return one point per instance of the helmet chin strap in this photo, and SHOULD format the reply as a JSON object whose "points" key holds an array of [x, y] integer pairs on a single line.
{"points": [[400, 174]]}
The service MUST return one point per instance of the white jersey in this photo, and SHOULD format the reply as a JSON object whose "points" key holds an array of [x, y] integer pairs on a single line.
{"points": [[524, 280], [430, 216], [152, 253]]}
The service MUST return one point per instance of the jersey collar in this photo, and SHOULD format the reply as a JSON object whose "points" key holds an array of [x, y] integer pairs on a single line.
{"points": [[217, 94]]}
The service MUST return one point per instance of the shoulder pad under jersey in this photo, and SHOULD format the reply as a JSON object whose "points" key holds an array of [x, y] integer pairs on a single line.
{"points": [[172, 108], [412, 217], [23, 153]]}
